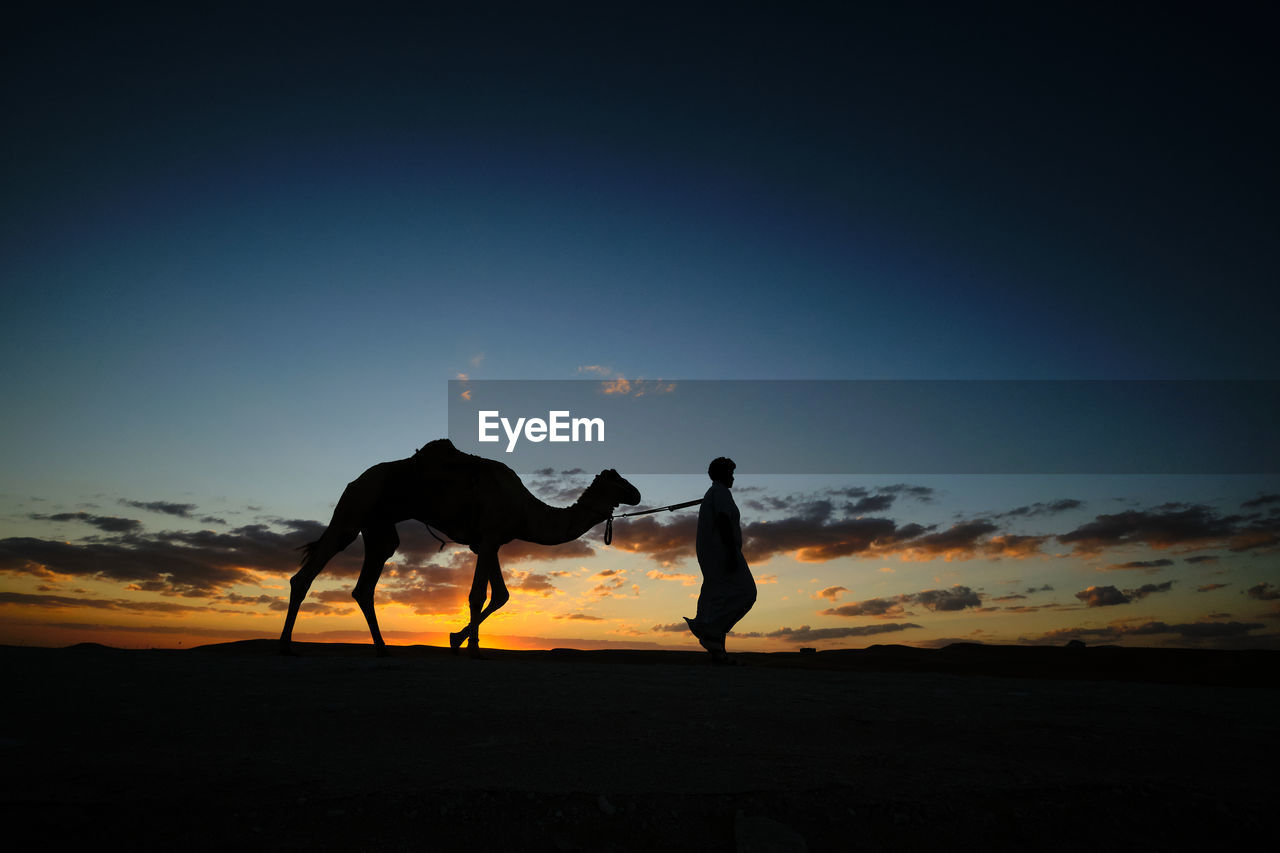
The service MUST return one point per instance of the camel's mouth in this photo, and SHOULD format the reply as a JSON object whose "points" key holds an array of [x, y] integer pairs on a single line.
{"points": [[630, 495]]}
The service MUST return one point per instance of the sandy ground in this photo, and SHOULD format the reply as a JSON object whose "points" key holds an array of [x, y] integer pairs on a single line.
{"points": [[337, 749]]}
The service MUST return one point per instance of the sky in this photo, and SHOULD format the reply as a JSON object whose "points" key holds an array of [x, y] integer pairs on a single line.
{"points": [[245, 250]]}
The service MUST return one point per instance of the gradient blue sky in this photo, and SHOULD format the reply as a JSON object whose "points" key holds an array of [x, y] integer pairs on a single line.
{"points": [[244, 248]]}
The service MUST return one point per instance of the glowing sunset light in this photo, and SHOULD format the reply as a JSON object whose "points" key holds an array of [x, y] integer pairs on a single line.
{"points": [[870, 269]]}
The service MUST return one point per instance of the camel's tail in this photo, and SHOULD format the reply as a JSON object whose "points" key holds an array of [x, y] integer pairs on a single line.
{"points": [[316, 554], [308, 551]]}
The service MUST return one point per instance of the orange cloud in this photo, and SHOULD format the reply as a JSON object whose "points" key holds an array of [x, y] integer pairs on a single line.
{"points": [[616, 386], [637, 387], [685, 579]]}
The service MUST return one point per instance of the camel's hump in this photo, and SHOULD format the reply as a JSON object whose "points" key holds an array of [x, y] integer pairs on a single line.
{"points": [[442, 455], [439, 446]]}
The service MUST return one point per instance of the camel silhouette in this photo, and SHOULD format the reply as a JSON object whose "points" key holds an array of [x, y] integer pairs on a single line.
{"points": [[475, 501]]}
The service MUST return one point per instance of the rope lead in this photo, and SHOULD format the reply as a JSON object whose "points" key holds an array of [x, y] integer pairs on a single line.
{"points": [[608, 525]]}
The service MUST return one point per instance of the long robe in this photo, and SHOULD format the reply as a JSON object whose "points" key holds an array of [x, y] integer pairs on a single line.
{"points": [[726, 596]]}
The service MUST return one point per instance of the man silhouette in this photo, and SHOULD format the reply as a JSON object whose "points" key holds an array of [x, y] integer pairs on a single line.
{"points": [[728, 589]]}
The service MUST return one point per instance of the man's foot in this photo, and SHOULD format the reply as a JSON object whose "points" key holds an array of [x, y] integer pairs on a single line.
{"points": [[472, 640]]}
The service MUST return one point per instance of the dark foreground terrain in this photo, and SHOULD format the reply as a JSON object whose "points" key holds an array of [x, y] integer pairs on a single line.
{"points": [[233, 747]]}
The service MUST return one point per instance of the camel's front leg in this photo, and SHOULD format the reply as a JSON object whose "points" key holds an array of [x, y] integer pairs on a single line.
{"points": [[487, 577]]}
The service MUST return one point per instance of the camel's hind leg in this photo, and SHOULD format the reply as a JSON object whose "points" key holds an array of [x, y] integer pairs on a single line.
{"points": [[379, 544], [488, 575], [319, 553]]}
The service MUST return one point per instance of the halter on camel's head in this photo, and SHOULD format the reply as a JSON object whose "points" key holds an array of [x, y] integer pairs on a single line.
{"points": [[607, 490]]}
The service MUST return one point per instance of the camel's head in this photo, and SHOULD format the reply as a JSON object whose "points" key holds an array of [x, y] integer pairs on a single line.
{"points": [[618, 489]]}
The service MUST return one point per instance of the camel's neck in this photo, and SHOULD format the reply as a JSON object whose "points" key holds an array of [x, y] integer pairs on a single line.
{"points": [[549, 525]]}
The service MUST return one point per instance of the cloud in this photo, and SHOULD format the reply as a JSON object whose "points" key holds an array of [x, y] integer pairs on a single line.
{"points": [[1200, 558], [858, 500], [249, 600], [1139, 564], [613, 581], [814, 540], [165, 507], [640, 387], [152, 564], [871, 503], [831, 593], [1261, 500], [579, 617], [959, 537], [1199, 630], [318, 601], [956, 598], [1148, 589], [924, 494], [880, 607], [418, 546], [664, 543], [616, 386], [533, 583], [558, 487], [822, 529], [191, 563], [1102, 596], [1264, 591], [518, 551], [1208, 632], [671, 628], [1014, 546], [1109, 596], [106, 523], [684, 578], [937, 600], [806, 634], [1173, 525], [431, 590], [122, 604], [1210, 587], [1020, 608], [1035, 509]]}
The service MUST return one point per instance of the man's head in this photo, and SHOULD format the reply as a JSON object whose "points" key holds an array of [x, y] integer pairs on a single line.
{"points": [[721, 470]]}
